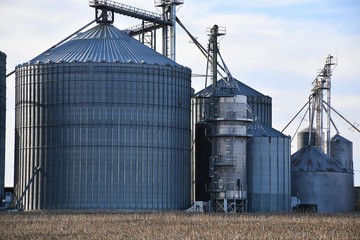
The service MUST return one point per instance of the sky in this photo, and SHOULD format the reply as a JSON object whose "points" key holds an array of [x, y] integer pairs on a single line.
{"points": [[274, 46]]}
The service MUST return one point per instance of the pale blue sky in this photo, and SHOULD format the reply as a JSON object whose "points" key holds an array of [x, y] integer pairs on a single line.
{"points": [[274, 46]]}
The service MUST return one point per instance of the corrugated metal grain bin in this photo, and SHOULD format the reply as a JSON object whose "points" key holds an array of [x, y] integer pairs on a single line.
{"points": [[321, 180], [106, 121], [2, 120], [268, 160], [342, 149]]}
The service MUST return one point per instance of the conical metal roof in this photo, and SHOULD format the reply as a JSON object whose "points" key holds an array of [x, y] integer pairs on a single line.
{"points": [[232, 88], [339, 138], [312, 159], [258, 129], [103, 43]]}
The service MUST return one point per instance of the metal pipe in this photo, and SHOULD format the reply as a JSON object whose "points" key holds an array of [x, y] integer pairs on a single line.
{"points": [[352, 125], [328, 86], [308, 102]]}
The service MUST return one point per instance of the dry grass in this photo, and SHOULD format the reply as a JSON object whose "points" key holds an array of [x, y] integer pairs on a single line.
{"points": [[176, 225]]}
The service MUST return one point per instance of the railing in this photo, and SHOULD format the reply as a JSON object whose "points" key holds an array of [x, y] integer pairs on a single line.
{"points": [[159, 3], [140, 28], [129, 10]]}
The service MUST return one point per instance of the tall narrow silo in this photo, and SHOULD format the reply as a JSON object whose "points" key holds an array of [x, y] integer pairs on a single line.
{"points": [[321, 180], [2, 120], [303, 138], [342, 149], [268, 161], [102, 121], [227, 165], [200, 107]]}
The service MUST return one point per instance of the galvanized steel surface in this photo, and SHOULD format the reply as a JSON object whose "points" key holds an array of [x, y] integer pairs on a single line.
{"points": [[260, 104], [342, 150], [303, 138], [258, 129], [312, 159], [200, 111], [2, 120], [268, 158], [228, 136], [103, 43], [105, 135], [333, 192], [319, 179]]}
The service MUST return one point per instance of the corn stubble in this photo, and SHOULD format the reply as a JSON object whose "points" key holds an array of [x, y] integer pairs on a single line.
{"points": [[176, 225]]}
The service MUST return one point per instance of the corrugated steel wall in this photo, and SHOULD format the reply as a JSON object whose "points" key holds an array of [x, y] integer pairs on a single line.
{"points": [[269, 174], [317, 178], [333, 192], [342, 150], [105, 135], [2, 120], [261, 107]]}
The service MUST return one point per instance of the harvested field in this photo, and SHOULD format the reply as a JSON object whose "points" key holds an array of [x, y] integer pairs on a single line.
{"points": [[176, 225]]}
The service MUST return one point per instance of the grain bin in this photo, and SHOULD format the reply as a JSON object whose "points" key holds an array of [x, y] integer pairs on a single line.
{"points": [[320, 180], [200, 107], [342, 149], [103, 122], [303, 138], [268, 160], [2, 121]]}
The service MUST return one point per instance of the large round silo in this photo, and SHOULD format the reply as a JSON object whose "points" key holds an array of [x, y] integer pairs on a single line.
{"points": [[320, 180], [2, 120], [103, 121], [268, 160], [342, 149]]}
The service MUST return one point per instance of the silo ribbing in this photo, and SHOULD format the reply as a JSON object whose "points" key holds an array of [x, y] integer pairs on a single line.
{"points": [[106, 121]]}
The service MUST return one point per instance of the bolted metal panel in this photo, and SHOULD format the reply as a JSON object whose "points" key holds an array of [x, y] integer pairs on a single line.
{"points": [[112, 135], [319, 179], [342, 150], [268, 159], [2, 121]]}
